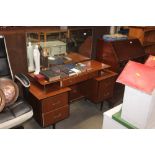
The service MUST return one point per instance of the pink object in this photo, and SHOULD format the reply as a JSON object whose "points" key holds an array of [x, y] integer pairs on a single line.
{"points": [[39, 77], [150, 61], [138, 76]]}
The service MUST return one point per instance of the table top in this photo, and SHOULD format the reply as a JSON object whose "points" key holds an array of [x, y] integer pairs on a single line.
{"points": [[37, 86], [76, 57], [90, 65]]}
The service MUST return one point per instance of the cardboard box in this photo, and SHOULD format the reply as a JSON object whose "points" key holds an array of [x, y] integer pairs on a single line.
{"points": [[56, 47]]}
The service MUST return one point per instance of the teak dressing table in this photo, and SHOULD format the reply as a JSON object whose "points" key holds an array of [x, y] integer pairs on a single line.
{"points": [[50, 100]]}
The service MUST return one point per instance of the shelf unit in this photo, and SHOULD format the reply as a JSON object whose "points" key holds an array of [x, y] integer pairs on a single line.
{"points": [[146, 35]]}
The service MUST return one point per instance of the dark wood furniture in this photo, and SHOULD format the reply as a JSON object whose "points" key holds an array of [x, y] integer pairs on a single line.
{"points": [[102, 88], [16, 41], [49, 107], [52, 103], [146, 35], [118, 53]]}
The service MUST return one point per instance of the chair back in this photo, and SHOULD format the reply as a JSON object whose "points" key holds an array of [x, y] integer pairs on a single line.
{"points": [[5, 67]]}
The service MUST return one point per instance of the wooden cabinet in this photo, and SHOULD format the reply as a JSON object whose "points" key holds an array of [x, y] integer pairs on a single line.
{"points": [[99, 88], [49, 108], [117, 53], [146, 35]]}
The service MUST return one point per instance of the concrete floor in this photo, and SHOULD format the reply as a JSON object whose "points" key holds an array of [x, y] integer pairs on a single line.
{"points": [[83, 115]]}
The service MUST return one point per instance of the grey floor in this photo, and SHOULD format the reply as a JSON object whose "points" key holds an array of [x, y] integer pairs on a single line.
{"points": [[83, 115]]}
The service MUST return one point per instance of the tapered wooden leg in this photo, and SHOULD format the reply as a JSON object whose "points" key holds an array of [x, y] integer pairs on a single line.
{"points": [[111, 104], [85, 99], [101, 106], [54, 126]]}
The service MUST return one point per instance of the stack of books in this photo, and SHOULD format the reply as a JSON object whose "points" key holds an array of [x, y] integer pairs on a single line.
{"points": [[60, 71], [50, 75]]}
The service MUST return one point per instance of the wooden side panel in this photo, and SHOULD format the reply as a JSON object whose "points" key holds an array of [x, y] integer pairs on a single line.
{"points": [[137, 33], [106, 54], [128, 49], [16, 45]]}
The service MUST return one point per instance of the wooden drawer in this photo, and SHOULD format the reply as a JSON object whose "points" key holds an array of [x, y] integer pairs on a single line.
{"points": [[76, 79], [106, 87], [92, 75], [73, 80], [55, 116], [54, 102], [101, 87]]}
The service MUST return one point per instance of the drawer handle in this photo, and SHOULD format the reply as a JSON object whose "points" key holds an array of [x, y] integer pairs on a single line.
{"points": [[131, 42], [57, 116], [107, 94], [56, 103]]}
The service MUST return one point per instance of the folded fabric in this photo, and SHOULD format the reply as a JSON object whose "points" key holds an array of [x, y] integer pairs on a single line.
{"points": [[150, 61], [138, 76]]}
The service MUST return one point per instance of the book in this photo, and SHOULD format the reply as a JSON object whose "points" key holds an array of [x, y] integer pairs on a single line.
{"points": [[39, 77], [50, 75]]}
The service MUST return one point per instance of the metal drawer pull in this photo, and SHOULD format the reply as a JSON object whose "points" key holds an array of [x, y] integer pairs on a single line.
{"points": [[106, 94], [57, 116], [131, 42], [56, 103]]}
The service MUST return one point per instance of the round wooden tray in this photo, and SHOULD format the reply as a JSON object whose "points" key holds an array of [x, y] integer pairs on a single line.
{"points": [[10, 90]]}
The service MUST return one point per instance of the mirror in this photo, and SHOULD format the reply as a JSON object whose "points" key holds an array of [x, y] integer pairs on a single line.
{"points": [[55, 45]]}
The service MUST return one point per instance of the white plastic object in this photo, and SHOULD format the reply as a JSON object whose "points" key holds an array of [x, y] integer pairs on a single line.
{"points": [[36, 55], [138, 108], [30, 57], [112, 30]]}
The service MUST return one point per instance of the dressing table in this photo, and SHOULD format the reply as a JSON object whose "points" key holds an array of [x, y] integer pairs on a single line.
{"points": [[51, 100]]}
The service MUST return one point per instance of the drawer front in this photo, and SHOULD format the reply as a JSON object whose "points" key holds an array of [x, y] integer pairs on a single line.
{"points": [[92, 75], [106, 88], [55, 102], [55, 116], [79, 78], [73, 80]]}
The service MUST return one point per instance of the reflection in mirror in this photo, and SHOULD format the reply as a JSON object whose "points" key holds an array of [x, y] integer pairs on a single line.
{"points": [[55, 46]]}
